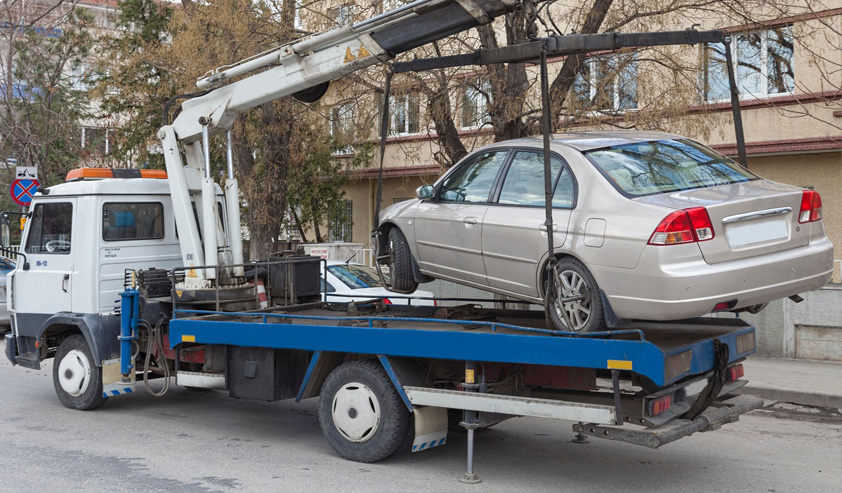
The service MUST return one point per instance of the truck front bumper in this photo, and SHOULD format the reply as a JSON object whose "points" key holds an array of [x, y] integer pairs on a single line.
{"points": [[724, 410]]}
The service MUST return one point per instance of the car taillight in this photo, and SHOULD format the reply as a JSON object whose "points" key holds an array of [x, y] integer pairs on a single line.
{"points": [[659, 405], [736, 372], [811, 207], [684, 226]]}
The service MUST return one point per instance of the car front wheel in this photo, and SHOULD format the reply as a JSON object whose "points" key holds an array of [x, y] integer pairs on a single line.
{"points": [[574, 280]]}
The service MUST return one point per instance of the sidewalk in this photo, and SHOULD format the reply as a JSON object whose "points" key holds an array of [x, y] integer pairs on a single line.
{"points": [[806, 382]]}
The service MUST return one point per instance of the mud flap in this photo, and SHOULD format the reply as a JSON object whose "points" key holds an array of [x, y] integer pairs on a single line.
{"points": [[112, 379], [430, 428]]}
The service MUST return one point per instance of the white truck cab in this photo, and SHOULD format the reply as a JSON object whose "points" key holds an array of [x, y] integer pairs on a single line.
{"points": [[79, 240]]}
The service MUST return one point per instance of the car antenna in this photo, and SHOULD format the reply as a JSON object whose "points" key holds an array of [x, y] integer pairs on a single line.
{"points": [[355, 253]]}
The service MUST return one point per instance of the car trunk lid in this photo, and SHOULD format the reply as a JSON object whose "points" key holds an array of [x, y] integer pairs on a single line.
{"points": [[749, 218]]}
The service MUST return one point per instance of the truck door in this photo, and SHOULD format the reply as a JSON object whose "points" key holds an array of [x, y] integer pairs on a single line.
{"points": [[45, 288]]}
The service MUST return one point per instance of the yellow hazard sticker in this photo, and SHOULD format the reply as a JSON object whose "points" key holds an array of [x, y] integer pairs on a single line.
{"points": [[618, 364], [188, 338], [179, 293], [349, 57], [191, 273], [363, 52], [469, 376]]}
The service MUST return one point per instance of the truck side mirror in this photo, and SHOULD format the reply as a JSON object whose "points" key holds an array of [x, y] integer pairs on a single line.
{"points": [[425, 192], [5, 231]]}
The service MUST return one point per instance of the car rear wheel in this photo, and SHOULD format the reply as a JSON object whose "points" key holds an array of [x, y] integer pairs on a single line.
{"points": [[575, 280], [401, 270]]}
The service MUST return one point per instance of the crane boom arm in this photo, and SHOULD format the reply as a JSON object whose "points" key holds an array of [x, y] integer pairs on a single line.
{"points": [[304, 68]]}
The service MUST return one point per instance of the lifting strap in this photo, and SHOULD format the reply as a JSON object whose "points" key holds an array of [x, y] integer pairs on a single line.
{"points": [[714, 386]]}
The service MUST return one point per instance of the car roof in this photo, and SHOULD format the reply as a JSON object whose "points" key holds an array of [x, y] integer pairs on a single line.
{"points": [[588, 140]]}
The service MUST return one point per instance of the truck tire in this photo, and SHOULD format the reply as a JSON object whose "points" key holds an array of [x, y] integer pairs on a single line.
{"points": [[401, 269], [586, 315], [77, 379], [360, 412]]}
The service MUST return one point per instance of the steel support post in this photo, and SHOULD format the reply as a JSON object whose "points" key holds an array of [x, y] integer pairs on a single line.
{"points": [[470, 385]]}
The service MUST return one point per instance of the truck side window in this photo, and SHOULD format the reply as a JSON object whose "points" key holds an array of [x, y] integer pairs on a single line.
{"points": [[124, 221], [50, 229]]}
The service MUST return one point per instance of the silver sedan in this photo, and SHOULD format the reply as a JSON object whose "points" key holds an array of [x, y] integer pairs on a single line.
{"points": [[646, 225]]}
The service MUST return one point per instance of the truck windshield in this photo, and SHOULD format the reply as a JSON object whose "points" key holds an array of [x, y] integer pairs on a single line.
{"points": [[661, 166], [356, 276]]}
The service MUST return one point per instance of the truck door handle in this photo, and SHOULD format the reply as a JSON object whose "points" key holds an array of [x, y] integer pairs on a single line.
{"points": [[64, 282], [470, 220], [543, 227]]}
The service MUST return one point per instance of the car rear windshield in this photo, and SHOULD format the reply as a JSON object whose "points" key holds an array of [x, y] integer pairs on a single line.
{"points": [[356, 276], [661, 166]]}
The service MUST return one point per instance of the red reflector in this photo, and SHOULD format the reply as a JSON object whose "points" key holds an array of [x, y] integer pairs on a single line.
{"points": [[811, 207], [721, 306], [659, 405], [684, 226], [387, 301], [736, 372]]}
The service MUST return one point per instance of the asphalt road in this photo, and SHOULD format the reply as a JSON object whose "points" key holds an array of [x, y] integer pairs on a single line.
{"points": [[204, 441]]}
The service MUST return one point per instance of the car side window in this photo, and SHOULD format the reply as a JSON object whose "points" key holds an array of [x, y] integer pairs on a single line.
{"points": [[51, 229], [524, 182], [473, 181], [327, 287]]}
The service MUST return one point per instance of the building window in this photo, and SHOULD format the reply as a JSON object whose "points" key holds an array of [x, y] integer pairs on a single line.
{"points": [[607, 83], [342, 127], [97, 141], [764, 65], [405, 113], [341, 14], [341, 226], [475, 99]]}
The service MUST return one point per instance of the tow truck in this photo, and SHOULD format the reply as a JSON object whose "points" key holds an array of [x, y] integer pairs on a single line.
{"points": [[126, 276]]}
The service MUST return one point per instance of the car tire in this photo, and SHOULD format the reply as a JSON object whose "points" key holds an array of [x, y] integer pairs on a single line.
{"points": [[76, 378], [361, 414], [401, 270], [586, 315]]}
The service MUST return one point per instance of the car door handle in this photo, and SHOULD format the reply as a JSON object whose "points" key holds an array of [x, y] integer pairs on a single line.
{"points": [[64, 282], [470, 220], [543, 227]]}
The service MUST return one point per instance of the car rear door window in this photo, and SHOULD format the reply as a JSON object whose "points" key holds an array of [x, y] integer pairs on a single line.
{"points": [[524, 182], [472, 182]]}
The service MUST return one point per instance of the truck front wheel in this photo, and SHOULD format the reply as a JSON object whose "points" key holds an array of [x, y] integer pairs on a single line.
{"points": [[361, 414], [77, 379]]}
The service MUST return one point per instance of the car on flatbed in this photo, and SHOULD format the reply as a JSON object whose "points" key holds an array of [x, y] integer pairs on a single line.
{"points": [[665, 227]]}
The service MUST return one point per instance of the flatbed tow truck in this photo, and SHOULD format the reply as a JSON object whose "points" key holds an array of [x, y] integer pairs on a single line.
{"points": [[387, 376]]}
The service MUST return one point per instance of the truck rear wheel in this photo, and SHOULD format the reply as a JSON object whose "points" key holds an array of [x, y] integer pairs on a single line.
{"points": [[77, 379], [360, 412], [401, 270]]}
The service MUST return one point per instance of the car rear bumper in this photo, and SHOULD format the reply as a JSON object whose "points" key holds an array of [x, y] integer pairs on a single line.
{"points": [[689, 287]]}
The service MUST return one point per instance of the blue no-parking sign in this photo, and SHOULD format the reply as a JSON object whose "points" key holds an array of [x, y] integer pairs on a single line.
{"points": [[23, 190]]}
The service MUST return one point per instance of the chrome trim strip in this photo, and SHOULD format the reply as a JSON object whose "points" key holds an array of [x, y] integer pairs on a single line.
{"points": [[755, 215]]}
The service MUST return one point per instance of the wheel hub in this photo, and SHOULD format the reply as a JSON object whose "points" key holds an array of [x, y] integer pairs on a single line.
{"points": [[74, 373], [570, 283], [356, 412]]}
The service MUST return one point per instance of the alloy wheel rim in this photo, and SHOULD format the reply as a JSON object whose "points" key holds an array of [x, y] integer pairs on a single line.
{"points": [[356, 412], [74, 373], [571, 283]]}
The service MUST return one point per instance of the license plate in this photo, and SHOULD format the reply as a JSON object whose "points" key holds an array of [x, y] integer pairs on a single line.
{"points": [[743, 234]]}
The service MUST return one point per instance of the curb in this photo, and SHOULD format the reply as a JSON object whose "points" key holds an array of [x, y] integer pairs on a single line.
{"points": [[816, 399]]}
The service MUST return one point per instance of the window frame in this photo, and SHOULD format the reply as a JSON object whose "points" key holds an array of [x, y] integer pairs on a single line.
{"points": [[408, 101], [593, 87], [764, 67], [482, 104]]}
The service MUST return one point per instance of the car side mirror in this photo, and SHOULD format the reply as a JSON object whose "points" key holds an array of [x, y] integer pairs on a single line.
{"points": [[425, 192]]}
